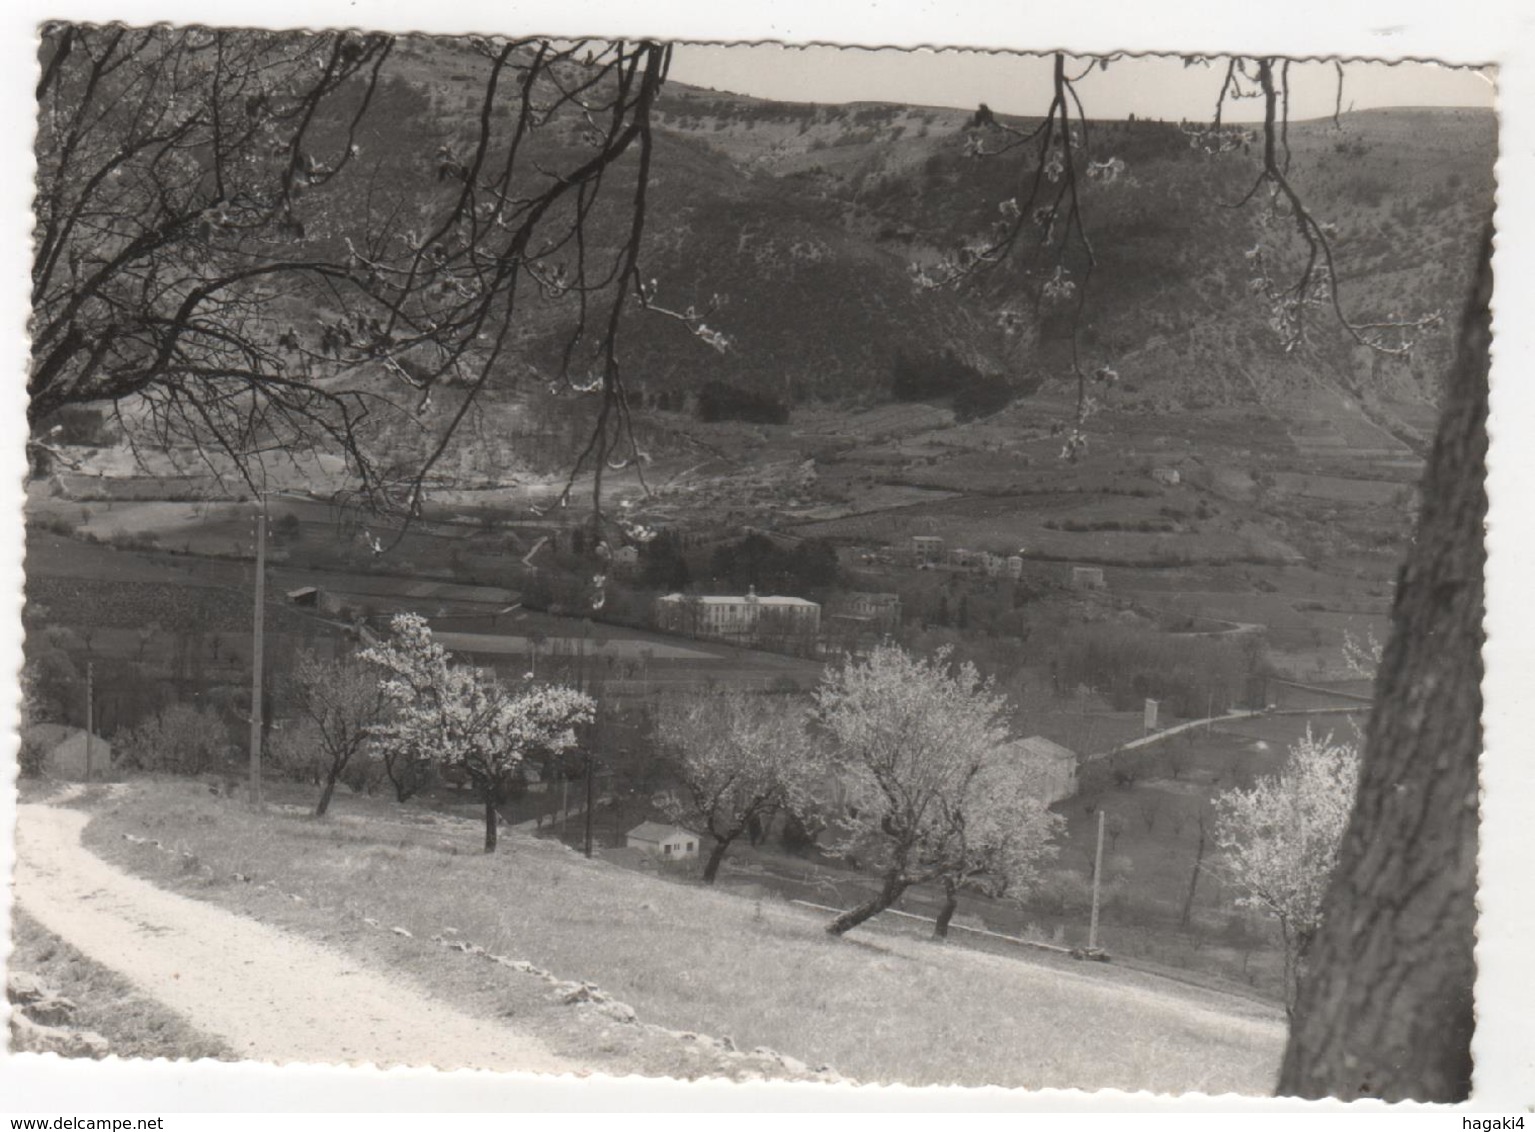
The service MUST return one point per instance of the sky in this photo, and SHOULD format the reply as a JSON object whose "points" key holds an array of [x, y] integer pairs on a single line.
{"points": [[1019, 84]]}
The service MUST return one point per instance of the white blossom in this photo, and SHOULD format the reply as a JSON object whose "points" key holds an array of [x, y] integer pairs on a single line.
{"points": [[459, 717], [1282, 837], [923, 797], [737, 758]]}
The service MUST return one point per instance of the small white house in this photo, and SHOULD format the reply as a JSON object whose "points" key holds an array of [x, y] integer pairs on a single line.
{"points": [[666, 841], [1049, 768]]}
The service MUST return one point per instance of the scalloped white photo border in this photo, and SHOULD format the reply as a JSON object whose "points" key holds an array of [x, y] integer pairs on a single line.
{"points": [[1500, 32]]}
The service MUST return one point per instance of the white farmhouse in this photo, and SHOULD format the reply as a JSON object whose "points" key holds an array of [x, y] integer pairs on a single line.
{"points": [[665, 841], [1049, 769]]}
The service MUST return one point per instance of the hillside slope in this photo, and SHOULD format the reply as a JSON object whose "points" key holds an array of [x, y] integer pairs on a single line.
{"points": [[1169, 305], [876, 1007], [803, 224]]}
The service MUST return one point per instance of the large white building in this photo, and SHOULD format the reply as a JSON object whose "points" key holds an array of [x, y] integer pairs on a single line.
{"points": [[749, 617]]}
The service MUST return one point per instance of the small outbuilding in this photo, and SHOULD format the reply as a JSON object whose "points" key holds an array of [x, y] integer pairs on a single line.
{"points": [[1087, 578], [1049, 768], [665, 841], [313, 597], [67, 751]]}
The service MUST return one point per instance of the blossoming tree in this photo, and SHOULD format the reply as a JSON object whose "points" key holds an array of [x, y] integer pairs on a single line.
{"points": [[1281, 841], [914, 750], [737, 758], [463, 718], [1005, 834], [343, 701]]}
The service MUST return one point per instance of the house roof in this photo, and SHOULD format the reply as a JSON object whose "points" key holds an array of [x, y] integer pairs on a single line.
{"points": [[52, 734], [656, 831], [1037, 746], [718, 599]]}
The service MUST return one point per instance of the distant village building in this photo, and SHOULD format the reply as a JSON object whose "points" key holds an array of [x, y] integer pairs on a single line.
{"points": [[665, 841], [626, 559], [883, 609], [859, 618], [1014, 566], [926, 550], [747, 618], [1049, 769], [1168, 477], [993, 564], [1087, 578], [958, 557], [313, 597]]}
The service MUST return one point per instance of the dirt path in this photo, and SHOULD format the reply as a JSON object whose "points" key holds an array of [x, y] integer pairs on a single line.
{"points": [[269, 995]]}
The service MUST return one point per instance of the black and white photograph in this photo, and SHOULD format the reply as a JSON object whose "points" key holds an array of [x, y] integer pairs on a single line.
{"points": [[758, 559]]}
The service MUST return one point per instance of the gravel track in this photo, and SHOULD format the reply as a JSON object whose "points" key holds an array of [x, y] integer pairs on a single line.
{"points": [[269, 995]]}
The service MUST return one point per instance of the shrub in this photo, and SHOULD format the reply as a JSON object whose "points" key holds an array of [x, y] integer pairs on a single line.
{"points": [[31, 758], [797, 836], [295, 751], [181, 739], [364, 775], [286, 528]]}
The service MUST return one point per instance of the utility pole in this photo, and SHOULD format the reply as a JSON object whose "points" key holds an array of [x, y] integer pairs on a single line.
{"points": [[1092, 927], [591, 773], [257, 656], [591, 761], [89, 720]]}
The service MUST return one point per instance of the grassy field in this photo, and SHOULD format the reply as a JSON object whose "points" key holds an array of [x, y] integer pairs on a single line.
{"points": [[875, 1006]]}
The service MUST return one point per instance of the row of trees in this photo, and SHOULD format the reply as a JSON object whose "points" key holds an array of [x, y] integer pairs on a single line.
{"points": [[899, 762]]}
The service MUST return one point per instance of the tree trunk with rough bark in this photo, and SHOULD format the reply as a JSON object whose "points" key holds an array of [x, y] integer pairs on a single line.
{"points": [[950, 905], [490, 821], [1385, 1009], [1199, 860], [330, 788], [716, 856], [895, 884]]}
